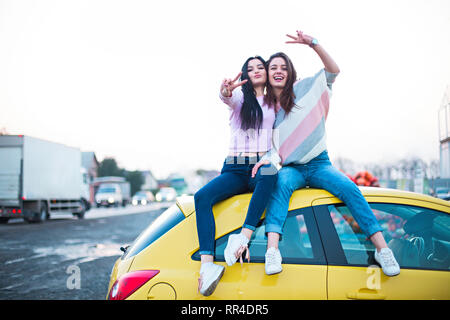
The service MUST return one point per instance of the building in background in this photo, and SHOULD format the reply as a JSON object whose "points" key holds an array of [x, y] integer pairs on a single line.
{"points": [[150, 182], [90, 163], [444, 135]]}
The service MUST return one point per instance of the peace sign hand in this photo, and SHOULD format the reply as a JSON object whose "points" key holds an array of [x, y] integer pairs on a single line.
{"points": [[300, 38], [229, 85]]}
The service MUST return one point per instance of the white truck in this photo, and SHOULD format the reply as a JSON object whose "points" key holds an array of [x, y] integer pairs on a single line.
{"points": [[38, 178], [112, 191]]}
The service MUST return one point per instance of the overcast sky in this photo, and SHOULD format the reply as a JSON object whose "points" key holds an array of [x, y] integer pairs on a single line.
{"points": [[138, 80]]}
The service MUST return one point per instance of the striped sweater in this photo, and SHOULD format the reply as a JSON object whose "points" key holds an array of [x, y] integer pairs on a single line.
{"points": [[300, 136]]}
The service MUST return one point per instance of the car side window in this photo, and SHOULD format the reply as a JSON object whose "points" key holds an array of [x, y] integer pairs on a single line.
{"points": [[419, 237], [299, 244]]}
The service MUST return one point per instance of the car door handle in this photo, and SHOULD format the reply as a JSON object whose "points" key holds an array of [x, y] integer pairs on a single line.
{"points": [[365, 296]]}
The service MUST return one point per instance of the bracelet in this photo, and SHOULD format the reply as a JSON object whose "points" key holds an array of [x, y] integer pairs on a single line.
{"points": [[313, 42]]}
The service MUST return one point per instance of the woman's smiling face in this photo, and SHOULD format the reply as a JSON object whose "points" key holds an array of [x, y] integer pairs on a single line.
{"points": [[278, 73]]}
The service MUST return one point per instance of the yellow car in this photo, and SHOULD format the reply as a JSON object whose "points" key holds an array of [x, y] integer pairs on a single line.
{"points": [[325, 254]]}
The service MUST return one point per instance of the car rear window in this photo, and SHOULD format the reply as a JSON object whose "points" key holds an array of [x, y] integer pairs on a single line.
{"points": [[166, 221]]}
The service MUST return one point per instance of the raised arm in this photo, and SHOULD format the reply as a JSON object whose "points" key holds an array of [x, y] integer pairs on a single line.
{"points": [[228, 85], [328, 62]]}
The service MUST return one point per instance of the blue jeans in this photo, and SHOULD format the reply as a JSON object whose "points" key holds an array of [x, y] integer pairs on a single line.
{"points": [[318, 173], [235, 178]]}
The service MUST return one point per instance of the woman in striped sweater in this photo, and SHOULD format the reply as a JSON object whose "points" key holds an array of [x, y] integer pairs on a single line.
{"points": [[300, 147]]}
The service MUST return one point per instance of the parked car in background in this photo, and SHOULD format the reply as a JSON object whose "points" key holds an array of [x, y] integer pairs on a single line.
{"points": [[166, 194], [142, 198], [325, 253], [443, 193]]}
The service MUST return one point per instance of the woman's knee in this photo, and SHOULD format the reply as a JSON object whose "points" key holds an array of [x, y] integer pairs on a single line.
{"points": [[269, 175], [202, 195], [283, 186], [284, 176], [268, 171], [348, 190], [289, 179]]}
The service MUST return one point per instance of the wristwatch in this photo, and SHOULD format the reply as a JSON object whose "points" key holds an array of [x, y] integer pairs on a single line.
{"points": [[313, 42]]}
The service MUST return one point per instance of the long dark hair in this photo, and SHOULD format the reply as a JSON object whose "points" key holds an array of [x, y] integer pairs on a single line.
{"points": [[251, 113], [287, 97]]}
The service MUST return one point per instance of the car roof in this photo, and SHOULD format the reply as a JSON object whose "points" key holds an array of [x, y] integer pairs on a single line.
{"points": [[304, 197]]}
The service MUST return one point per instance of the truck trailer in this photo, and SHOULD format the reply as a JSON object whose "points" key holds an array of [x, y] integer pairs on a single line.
{"points": [[38, 178]]}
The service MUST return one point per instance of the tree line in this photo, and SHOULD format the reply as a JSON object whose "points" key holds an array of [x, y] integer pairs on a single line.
{"points": [[108, 167]]}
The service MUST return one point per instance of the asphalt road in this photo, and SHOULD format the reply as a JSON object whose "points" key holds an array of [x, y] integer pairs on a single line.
{"points": [[66, 258]]}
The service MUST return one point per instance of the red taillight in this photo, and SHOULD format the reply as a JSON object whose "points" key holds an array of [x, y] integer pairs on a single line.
{"points": [[129, 283]]}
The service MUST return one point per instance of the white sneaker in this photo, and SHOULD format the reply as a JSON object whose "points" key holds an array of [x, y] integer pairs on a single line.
{"points": [[210, 275], [273, 261], [235, 242], [387, 262]]}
